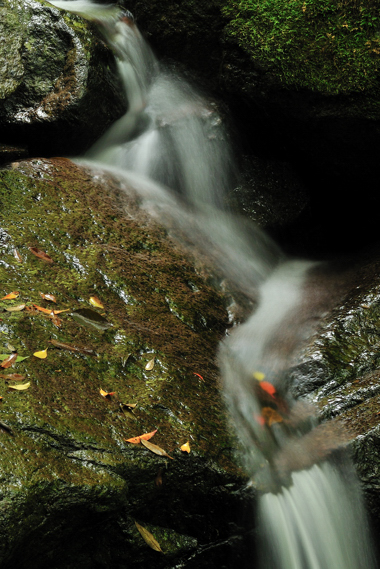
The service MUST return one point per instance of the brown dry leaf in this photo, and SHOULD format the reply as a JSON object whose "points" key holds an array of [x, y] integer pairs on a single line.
{"points": [[17, 308], [49, 297], [8, 362], [41, 254], [150, 364], [156, 449], [94, 300], [20, 387], [17, 256], [87, 351], [56, 321], [149, 538], [271, 416], [11, 295], [13, 376]]}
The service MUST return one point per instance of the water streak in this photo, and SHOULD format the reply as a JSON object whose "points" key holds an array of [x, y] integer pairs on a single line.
{"points": [[172, 148]]}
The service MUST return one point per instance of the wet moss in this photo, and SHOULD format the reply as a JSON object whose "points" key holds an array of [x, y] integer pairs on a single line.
{"points": [[65, 433]]}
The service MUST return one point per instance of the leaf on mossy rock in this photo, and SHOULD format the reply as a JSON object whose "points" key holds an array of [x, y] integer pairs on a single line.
{"points": [[17, 308], [49, 297], [21, 387], [11, 295], [95, 301], [89, 317], [150, 364], [41, 254], [271, 416], [144, 437], [106, 394], [41, 355], [13, 376], [186, 447], [156, 449], [149, 538], [49, 311], [9, 360], [17, 256]]}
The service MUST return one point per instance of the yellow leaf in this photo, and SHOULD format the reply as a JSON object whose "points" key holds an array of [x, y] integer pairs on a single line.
{"points": [[11, 295], [94, 300], [186, 447], [259, 375], [149, 538], [150, 364], [42, 355], [21, 387]]}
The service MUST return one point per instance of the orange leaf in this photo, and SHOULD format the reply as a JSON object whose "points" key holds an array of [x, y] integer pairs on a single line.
{"points": [[198, 375], [145, 437], [271, 416], [41, 254], [59, 311], [49, 297], [45, 310], [8, 362], [11, 295], [186, 447], [106, 393], [268, 387]]}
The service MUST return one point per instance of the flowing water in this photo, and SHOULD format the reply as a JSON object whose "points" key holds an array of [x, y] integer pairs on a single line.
{"points": [[171, 146]]}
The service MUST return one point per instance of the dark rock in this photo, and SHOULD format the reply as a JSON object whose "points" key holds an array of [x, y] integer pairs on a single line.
{"points": [[59, 88], [72, 488]]}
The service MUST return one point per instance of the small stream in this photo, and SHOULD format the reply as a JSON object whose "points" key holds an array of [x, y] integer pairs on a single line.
{"points": [[171, 146]]}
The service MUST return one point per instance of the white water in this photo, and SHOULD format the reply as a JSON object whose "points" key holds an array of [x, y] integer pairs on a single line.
{"points": [[172, 148]]}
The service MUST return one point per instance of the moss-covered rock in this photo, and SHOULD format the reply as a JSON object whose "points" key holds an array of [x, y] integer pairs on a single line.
{"points": [[72, 488], [59, 88]]}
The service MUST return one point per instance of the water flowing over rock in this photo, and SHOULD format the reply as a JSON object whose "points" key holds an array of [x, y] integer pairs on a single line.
{"points": [[59, 89]]}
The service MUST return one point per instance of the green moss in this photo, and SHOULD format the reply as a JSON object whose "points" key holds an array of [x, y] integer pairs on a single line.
{"points": [[325, 45]]}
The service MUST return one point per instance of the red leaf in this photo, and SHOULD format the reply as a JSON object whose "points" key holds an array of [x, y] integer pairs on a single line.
{"points": [[198, 375], [268, 387]]}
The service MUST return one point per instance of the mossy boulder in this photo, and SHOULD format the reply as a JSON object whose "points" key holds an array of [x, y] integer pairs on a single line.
{"points": [[72, 487], [59, 88]]}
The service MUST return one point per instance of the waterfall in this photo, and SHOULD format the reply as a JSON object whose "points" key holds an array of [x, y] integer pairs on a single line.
{"points": [[172, 148]]}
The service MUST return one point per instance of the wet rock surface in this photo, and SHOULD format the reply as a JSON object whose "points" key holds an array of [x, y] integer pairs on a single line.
{"points": [[72, 488], [59, 88]]}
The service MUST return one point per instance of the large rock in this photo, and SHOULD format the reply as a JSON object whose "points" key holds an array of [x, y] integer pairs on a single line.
{"points": [[59, 88], [72, 488]]}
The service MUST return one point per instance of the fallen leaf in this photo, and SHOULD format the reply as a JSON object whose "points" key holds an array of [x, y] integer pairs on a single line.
{"points": [[259, 375], [150, 364], [41, 254], [91, 318], [9, 360], [5, 427], [42, 354], [44, 310], [56, 321], [17, 308], [149, 538], [11, 295], [11, 348], [271, 416], [13, 376], [145, 437], [94, 300], [198, 375], [19, 358], [17, 256], [129, 406], [20, 387], [106, 393], [49, 297], [59, 311], [186, 447], [268, 387], [87, 351], [156, 449]]}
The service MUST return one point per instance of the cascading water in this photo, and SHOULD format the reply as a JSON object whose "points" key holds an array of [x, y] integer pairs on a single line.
{"points": [[171, 147]]}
